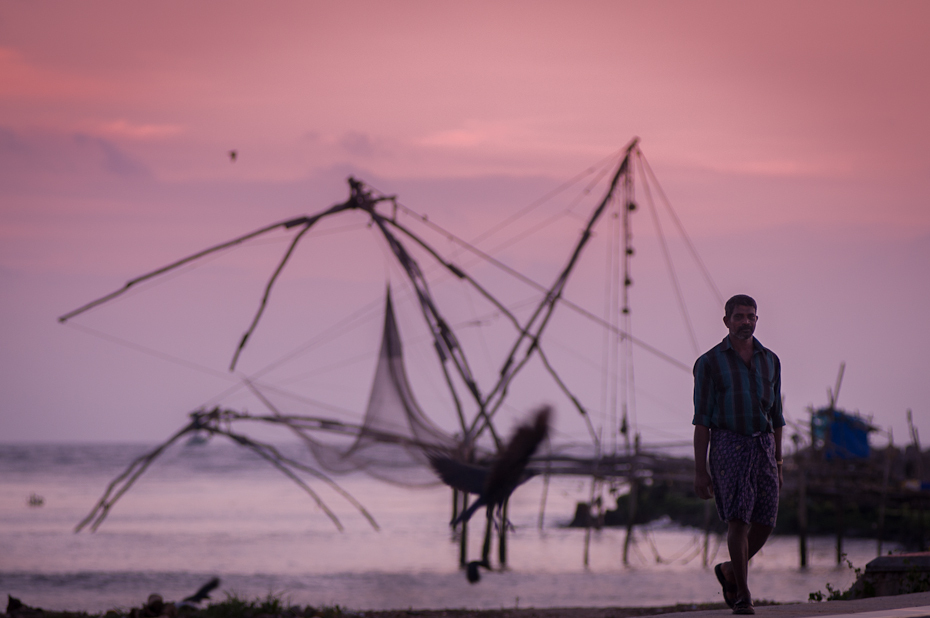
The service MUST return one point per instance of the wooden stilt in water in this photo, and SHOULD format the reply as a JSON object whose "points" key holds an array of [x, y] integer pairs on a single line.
{"points": [[502, 539], [542, 501], [634, 499], [587, 539], [587, 524], [486, 546], [463, 534], [889, 453], [631, 517], [840, 525]]}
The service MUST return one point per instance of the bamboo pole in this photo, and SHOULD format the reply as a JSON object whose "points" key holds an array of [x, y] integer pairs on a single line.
{"points": [[587, 524], [486, 546], [631, 517], [634, 499], [840, 525], [502, 541], [882, 505], [542, 501], [463, 534]]}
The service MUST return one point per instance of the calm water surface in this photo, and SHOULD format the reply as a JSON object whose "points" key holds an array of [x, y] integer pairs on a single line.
{"points": [[217, 510]]}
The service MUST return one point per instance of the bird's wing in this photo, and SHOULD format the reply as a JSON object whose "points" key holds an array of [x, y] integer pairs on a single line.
{"points": [[204, 592], [467, 513], [459, 475], [509, 470]]}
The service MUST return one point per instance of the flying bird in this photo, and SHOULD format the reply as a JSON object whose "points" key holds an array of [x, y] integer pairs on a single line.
{"points": [[495, 484], [203, 592]]}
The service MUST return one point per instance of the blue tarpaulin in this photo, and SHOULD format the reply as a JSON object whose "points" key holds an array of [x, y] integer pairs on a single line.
{"points": [[842, 435]]}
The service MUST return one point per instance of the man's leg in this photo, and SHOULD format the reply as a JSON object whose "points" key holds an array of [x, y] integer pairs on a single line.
{"points": [[741, 535], [738, 544], [758, 535]]}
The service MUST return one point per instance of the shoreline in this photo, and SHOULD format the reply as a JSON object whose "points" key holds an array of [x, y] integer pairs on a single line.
{"points": [[900, 606]]}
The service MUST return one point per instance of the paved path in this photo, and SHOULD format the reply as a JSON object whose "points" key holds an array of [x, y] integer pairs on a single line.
{"points": [[901, 606]]}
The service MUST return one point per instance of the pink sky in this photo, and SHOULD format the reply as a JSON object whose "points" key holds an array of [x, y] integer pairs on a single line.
{"points": [[791, 137]]}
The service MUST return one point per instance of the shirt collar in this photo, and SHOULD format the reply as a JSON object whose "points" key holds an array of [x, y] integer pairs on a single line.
{"points": [[756, 346]]}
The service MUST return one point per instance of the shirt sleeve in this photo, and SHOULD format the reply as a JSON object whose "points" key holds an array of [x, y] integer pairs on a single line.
{"points": [[705, 393], [777, 415]]}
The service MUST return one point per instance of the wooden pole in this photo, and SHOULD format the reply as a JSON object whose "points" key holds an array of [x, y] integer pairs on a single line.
{"points": [[463, 534], [542, 501], [486, 547], [884, 498], [840, 525], [587, 538], [634, 497], [588, 521], [502, 541]]}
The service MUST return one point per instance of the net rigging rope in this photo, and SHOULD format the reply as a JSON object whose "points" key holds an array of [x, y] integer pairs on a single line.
{"points": [[538, 286], [676, 286]]}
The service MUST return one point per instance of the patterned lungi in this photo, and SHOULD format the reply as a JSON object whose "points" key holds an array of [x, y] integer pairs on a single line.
{"points": [[745, 476]]}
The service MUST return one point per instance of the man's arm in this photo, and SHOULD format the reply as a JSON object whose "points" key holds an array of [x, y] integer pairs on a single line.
{"points": [[778, 456], [703, 486]]}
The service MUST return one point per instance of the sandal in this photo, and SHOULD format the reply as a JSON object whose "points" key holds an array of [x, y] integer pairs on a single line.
{"points": [[743, 607], [729, 592]]}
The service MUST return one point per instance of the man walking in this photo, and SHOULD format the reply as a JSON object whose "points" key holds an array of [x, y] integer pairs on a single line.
{"points": [[737, 412]]}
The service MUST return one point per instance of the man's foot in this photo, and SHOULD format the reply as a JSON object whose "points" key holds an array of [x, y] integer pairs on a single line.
{"points": [[729, 590], [743, 606]]}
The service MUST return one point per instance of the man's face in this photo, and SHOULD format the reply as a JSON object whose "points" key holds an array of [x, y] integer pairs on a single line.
{"points": [[742, 323]]}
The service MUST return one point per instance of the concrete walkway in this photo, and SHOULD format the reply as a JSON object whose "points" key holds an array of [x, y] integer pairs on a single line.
{"points": [[900, 606]]}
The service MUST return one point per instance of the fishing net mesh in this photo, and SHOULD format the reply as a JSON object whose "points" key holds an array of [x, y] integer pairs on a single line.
{"points": [[396, 435]]}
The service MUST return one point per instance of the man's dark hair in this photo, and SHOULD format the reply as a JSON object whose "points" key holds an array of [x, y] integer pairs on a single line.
{"points": [[740, 300]]}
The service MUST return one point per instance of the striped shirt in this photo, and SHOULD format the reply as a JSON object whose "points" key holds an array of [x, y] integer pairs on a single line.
{"points": [[730, 395]]}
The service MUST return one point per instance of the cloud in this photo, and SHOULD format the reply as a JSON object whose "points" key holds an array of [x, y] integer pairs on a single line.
{"points": [[45, 162], [111, 158], [359, 144], [124, 129], [455, 138], [21, 79]]}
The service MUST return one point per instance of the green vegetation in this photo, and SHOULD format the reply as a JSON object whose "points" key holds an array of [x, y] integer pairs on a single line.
{"points": [[904, 523], [272, 605], [234, 606], [835, 594], [907, 582]]}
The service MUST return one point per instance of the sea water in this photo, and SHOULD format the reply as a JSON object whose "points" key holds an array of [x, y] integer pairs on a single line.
{"points": [[219, 510]]}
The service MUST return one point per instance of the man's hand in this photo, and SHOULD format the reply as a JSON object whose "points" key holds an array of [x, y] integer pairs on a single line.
{"points": [[703, 486]]}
